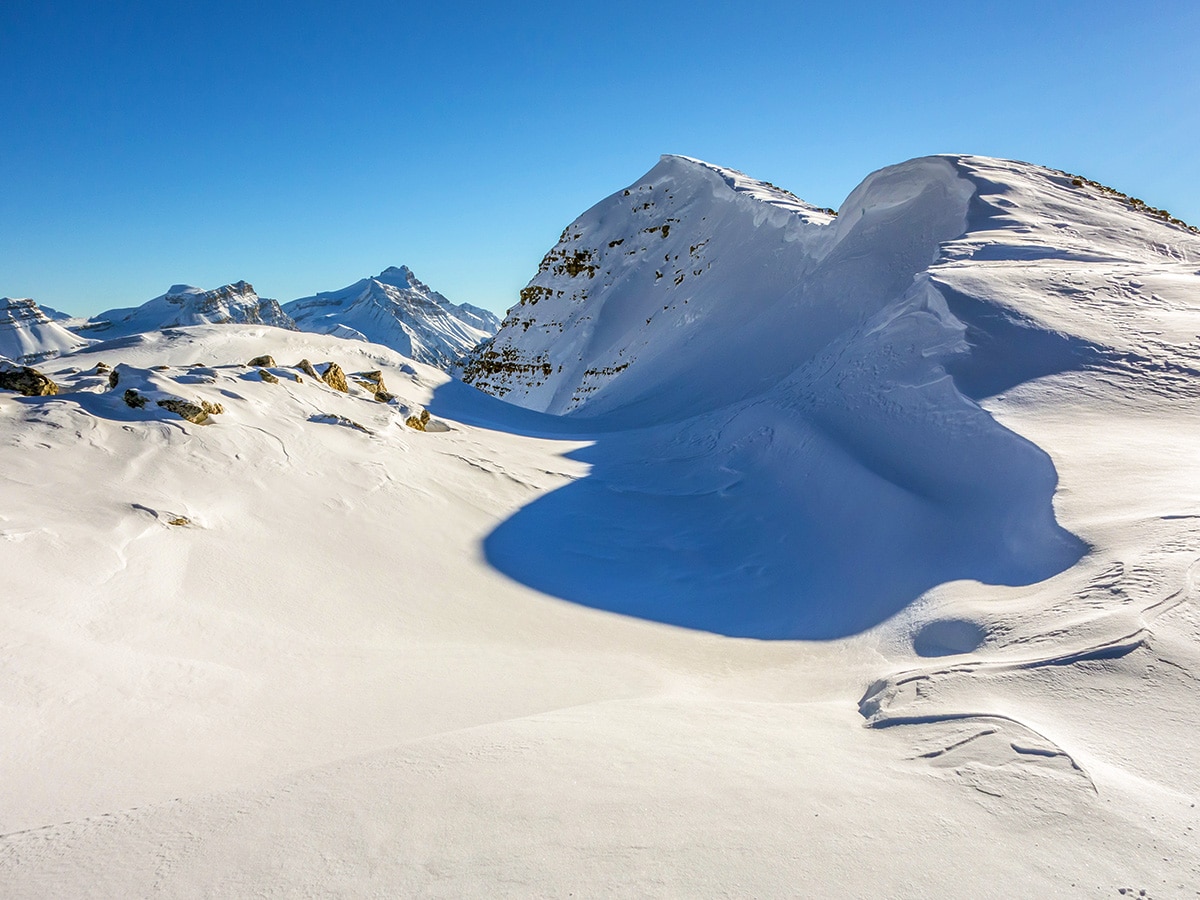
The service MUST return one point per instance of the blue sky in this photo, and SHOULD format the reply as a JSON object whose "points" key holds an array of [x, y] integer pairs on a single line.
{"points": [[303, 145]]}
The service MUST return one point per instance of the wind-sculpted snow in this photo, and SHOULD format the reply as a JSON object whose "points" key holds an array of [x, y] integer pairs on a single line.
{"points": [[789, 446], [259, 638], [816, 510]]}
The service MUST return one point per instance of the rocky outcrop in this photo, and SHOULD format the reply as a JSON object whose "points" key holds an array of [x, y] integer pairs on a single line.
{"points": [[134, 399], [264, 360], [418, 421], [25, 380], [373, 382], [307, 368], [195, 413], [267, 376], [335, 378]]}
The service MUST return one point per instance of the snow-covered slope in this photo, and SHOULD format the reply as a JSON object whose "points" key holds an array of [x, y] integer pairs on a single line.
{"points": [[28, 335], [396, 310], [657, 292], [306, 649], [184, 305]]}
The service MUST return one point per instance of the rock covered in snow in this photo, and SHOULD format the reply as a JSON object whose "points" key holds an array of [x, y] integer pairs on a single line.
{"points": [[397, 310], [25, 380]]}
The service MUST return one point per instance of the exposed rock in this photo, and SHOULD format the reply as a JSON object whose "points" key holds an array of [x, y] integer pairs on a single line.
{"points": [[418, 421], [297, 378], [335, 378], [373, 382], [113, 378], [25, 380], [260, 361], [373, 379], [161, 368], [307, 368], [332, 419], [267, 376], [179, 520], [133, 398], [101, 368], [197, 414]]}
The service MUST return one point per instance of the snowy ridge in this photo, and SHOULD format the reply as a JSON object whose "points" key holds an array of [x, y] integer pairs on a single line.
{"points": [[763, 191], [28, 335], [184, 305], [397, 310]]}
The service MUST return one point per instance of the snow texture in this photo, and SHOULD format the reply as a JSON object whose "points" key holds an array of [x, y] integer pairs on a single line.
{"points": [[944, 442]]}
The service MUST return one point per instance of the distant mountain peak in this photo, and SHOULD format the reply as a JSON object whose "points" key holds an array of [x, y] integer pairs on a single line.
{"points": [[185, 304], [28, 335], [398, 310]]}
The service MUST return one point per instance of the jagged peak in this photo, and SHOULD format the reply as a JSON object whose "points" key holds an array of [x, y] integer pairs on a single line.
{"points": [[397, 276]]}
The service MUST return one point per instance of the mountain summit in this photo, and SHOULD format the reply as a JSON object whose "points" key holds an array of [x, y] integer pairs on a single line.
{"points": [[698, 286], [397, 310], [184, 305]]}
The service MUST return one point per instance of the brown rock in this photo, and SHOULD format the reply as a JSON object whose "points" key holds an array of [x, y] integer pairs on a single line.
{"points": [[113, 378], [197, 414], [260, 361], [307, 368], [27, 381], [134, 399], [418, 422], [267, 376], [335, 378]]}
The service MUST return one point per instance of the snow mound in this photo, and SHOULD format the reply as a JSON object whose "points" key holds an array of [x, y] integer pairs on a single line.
{"points": [[397, 310]]}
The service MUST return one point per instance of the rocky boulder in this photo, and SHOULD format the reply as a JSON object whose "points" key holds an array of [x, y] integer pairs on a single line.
{"points": [[25, 380]]}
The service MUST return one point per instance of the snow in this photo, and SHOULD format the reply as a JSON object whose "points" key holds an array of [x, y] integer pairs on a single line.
{"points": [[28, 334], [184, 304], [398, 311], [873, 574]]}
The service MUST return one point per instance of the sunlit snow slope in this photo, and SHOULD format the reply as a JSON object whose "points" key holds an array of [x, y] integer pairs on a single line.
{"points": [[28, 334], [782, 394], [948, 440]]}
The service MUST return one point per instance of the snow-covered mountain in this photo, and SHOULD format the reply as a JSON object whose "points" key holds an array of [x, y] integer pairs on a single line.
{"points": [[396, 310], [272, 630], [29, 335], [655, 295], [184, 305]]}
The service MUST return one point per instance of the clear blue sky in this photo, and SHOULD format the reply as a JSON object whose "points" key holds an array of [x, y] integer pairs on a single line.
{"points": [[303, 145]]}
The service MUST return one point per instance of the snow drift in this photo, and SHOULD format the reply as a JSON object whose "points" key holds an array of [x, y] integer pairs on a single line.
{"points": [[788, 438]]}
